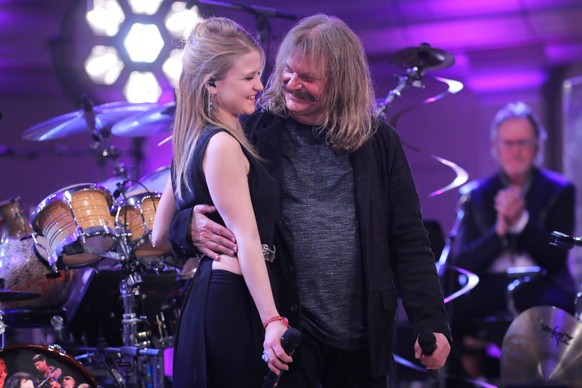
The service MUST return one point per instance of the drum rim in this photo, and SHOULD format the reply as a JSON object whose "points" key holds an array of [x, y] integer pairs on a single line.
{"points": [[59, 194], [93, 231], [9, 201], [54, 352], [138, 196]]}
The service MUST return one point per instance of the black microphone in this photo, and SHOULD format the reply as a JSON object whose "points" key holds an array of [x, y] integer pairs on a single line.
{"points": [[120, 188], [427, 342], [290, 341]]}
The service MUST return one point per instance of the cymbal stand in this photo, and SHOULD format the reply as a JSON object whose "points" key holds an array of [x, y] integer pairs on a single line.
{"points": [[101, 145], [134, 364], [135, 350], [129, 290], [446, 252], [413, 77], [564, 241]]}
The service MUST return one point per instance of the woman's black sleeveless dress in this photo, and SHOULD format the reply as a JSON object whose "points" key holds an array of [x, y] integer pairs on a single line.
{"points": [[219, 340]]}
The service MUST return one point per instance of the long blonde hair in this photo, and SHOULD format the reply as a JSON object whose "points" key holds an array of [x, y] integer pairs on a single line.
{"points": [[209, 52], [349, 117]]}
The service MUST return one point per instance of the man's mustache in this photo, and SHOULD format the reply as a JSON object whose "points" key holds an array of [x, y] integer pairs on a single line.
{"points": [[300, 93]]}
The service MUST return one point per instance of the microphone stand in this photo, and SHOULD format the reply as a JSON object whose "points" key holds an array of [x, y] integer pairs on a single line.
{"points": [[564, 241]]}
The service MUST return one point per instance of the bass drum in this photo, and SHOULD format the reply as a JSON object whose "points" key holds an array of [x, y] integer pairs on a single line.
{"points": [[20, 367]]}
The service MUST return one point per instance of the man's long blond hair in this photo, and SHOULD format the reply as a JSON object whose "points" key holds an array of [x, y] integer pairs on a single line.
{"points": [[209, 52], [349, 117]]}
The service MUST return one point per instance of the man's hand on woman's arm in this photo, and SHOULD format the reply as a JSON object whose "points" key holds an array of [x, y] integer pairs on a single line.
{"points": [[209, 237]]}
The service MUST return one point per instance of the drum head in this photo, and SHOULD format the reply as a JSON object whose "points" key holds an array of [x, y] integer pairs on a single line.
{"points": [[20, 365], [112, 184], [152, 182]]}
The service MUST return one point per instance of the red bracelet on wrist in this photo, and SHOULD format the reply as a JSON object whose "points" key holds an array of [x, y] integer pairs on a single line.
{"points": [[275, 319]]}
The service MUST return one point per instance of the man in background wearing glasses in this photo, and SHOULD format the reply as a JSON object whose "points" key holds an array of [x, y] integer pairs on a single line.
{"points": [[506, 227]]}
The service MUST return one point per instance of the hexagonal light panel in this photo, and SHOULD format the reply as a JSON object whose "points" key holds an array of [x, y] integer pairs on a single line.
{"points": [[142, 87], [143, 42], [105, 17], [103, 65], [145, 7], [172, 67], [180, 20]]}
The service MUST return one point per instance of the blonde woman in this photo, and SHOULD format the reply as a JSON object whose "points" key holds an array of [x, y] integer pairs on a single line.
{"points": [[230, 313]]}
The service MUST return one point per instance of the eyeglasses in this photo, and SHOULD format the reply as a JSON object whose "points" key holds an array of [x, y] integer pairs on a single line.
{"points": [[522, 144]]}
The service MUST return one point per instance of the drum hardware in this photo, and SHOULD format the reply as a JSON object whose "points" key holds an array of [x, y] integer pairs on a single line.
{"points": [[518, 276], [47, 256], [469, 279], [127, 366], [134, 362], [446, 252], [130, 292], [565, 241], [416, 61]]}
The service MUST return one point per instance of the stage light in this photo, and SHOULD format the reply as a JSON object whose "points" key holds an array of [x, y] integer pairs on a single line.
{"points": [[105, 17], [145, 7], [172, 67], [123, 50], [103, 65], [180, 19], [142, 87], [143, 42]]}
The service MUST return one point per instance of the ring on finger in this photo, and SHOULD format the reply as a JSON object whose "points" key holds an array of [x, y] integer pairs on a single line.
{"points": [[265, 356]]}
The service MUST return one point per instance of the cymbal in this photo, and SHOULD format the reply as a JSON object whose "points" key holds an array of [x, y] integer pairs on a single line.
{"points": [[424, 57], [543, 346], [155, 121], [7, 295], [75, 122]]}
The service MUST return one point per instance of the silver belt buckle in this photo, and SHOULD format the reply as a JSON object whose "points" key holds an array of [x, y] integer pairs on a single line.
{"points": [[268, 253]]}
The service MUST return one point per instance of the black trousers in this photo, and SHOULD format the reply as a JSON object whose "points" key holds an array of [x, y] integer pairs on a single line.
{"points": [[234, 334], [322, 366]]}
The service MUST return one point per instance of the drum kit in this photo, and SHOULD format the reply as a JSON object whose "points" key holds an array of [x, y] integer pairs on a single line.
{"points": [[83, 269]]}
